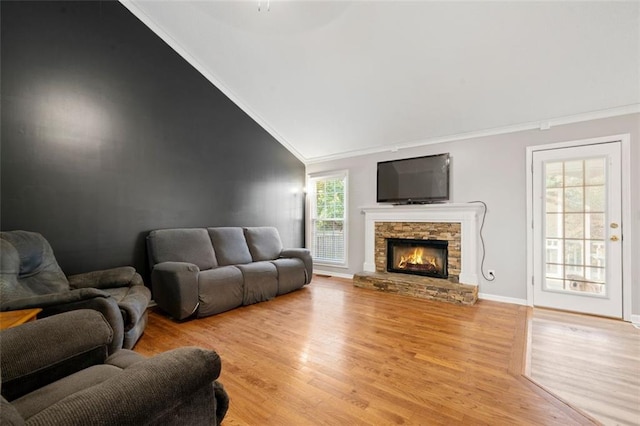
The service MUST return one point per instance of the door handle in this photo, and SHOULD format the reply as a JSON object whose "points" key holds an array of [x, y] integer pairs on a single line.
{"points": [[614, 225], [614, 238]]}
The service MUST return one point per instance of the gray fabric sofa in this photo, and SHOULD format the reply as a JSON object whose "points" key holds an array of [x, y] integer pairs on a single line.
{"points": [[57, 371], [30, 277], [205, 271]]}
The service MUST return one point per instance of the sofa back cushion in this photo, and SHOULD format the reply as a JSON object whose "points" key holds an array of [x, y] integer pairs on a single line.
{"points": [[264, 242], [37, 270], [191, 245], [10, 288], [230, 245]]}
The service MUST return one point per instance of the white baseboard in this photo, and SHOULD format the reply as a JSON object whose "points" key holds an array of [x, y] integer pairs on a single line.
{"points": [[333, 274], [502, 299], [635, 320]]}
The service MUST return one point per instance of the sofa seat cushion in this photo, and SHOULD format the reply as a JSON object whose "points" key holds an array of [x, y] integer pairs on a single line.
{"points": [[182, 245], [124, 358], [260, 282], [291, 274], [264, 242], [230, 245], [219, 290], [40, 399], [9, 415]]}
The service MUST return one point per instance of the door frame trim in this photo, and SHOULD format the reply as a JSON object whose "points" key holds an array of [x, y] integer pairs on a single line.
{"points": [[625, 142]]}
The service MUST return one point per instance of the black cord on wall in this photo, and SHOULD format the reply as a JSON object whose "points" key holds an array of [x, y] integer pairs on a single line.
{"points": [[484, 215]]}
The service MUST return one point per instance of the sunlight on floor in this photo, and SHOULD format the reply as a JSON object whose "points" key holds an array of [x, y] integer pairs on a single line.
{"points": [[590, 362]]}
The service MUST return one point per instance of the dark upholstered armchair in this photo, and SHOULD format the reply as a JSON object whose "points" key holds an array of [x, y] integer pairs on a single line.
{"points": [[57, 371], [31, 278]]}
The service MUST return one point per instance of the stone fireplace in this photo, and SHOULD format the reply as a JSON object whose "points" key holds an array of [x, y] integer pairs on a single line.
{"points": [[416, 232], [417, 257], [452, 225]]}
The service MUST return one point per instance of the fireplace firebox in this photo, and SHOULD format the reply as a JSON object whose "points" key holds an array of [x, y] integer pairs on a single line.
{"points": [[417, 257]]}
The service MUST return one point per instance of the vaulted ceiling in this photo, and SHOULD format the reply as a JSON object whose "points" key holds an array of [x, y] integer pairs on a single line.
{"points": [[331, 79]]}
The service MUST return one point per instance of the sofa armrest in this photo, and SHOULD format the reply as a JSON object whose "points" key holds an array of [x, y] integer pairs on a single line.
{"points": [[175, 288], [133, 305], [43, 351], [305, 256], [166, 380], [125, 276]]}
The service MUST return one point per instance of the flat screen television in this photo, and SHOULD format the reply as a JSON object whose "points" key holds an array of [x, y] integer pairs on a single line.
{"points": [[418, 180]]}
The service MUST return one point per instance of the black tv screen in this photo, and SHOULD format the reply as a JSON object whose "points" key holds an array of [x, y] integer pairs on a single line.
{"points": [[414, 180]]}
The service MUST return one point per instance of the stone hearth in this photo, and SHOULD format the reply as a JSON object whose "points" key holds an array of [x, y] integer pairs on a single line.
{"points": [[455, 223], [415, 286]]}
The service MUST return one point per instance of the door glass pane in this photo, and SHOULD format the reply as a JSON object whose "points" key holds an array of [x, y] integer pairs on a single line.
{"points": [[573, 253], [554, 200], [573, 173], [594, 226], [554, 251], [574, 225], [555, 270], [595, 275], [554, 225], [594, 171], [575, 200], [595, 254], [594, 198], [585, 286], [554, 175], [573, 272]]}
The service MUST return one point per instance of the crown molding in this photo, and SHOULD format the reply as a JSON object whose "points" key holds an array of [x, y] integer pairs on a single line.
{"points": [[532, 125]]}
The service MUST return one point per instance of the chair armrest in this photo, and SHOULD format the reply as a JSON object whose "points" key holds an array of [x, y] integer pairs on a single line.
{"points": [[46, 300], [175, 288], [84, 298], [43, 351], [125, 276], [305, 256], [165, 381]]}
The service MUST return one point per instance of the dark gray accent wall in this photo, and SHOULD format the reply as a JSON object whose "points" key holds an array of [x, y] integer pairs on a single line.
{"points": [[107, 133]]}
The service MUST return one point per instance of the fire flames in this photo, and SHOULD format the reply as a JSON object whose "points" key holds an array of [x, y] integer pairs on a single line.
{"points": [[416, 258]]}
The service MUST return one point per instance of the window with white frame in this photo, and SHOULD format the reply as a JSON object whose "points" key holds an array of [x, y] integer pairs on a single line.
{"points": [[328, 214]]}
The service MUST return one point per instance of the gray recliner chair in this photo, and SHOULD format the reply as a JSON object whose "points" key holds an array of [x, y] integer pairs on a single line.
{"points": [[30, 277], [57, 371]]}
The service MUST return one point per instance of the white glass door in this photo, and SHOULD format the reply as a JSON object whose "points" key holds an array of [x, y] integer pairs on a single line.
{"points": [[577, 229]]}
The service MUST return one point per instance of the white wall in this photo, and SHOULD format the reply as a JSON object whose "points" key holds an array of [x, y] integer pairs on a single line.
{"points": [[492, 169]]}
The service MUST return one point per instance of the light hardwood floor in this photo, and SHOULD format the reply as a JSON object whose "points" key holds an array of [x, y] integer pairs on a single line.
{"points": [[592, 363], [338, 355]]}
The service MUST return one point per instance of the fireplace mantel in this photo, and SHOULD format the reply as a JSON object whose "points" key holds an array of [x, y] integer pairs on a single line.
{"points": [[466, 214]]}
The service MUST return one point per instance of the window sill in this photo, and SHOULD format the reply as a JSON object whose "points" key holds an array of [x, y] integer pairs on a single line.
{"points": [[331, 265]]}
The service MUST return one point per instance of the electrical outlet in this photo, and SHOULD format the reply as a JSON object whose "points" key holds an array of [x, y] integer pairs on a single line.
{"points": [[492, 273]]}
